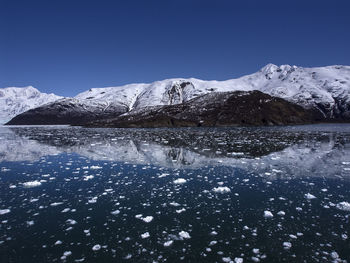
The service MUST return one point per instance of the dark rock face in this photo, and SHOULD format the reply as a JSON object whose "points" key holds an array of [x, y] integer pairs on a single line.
{"points": [[67, 111], [216, 109]]}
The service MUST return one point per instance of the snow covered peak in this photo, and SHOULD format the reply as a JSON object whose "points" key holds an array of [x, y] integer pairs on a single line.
{"points": [[269, 68], [326, 89], [15, 100]]}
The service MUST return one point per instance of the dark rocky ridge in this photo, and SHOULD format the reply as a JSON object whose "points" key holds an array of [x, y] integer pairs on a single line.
{"points": [[216, 109], [237, 108], [67, 111]]}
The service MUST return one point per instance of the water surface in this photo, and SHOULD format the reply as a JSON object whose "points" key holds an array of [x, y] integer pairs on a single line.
{"points": [[275, 194]]}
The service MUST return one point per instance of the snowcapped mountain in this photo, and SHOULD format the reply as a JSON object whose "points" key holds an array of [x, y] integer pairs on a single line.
{"points": [[326, 89], [214, 109], [14, 100]]}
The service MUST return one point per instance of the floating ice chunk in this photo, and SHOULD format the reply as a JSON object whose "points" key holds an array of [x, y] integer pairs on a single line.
{"points": [[67, 253], [309, 196], [145, 235], [30, 223], [221, 189], [147, 219], [180, 210], [95, 167], [65, 210], [96, 247], [184, 234], [180, 181], [71, 221], [174, 204], [168, 243], [255, 259], [212, 243], [163, 175], [58, 242], [93, 200], [115, 212], [227, 259], [56, 203], [31, 184], [238, 260], [128, 256], [345, 206], [334, 255], [4, 211], [268, 214], [287, 245], [139, 216], [88, 177], [281, 213]]}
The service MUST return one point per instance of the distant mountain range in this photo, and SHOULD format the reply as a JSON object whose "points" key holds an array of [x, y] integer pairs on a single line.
{"points": [[14, 100], [287, 95]]}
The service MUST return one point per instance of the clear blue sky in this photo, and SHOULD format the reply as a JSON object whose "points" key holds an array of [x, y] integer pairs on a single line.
{"points": [[67, 47]]}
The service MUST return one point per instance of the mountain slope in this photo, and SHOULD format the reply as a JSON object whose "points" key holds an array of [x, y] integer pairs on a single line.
{"points": [[68, 111], [215, 109], [14, 100], [325, 90]]}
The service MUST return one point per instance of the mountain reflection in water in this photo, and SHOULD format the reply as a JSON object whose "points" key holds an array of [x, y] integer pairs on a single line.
{"points": [[281, 152]]}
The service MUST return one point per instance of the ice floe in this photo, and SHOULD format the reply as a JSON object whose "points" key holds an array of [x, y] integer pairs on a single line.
{"points": [[4, 211], [345, 206], [180, 181], [32, 184], [221, 189], [268, 214]]}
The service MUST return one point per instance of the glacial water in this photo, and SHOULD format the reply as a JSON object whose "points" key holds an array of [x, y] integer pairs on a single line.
{"points": [[271, 194]]}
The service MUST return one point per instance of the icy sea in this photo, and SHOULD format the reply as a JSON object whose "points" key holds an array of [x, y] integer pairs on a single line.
{"points": [[271, 194]]}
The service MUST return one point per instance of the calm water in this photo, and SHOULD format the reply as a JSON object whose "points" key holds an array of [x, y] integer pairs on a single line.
{"points": [[175, 195]]}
